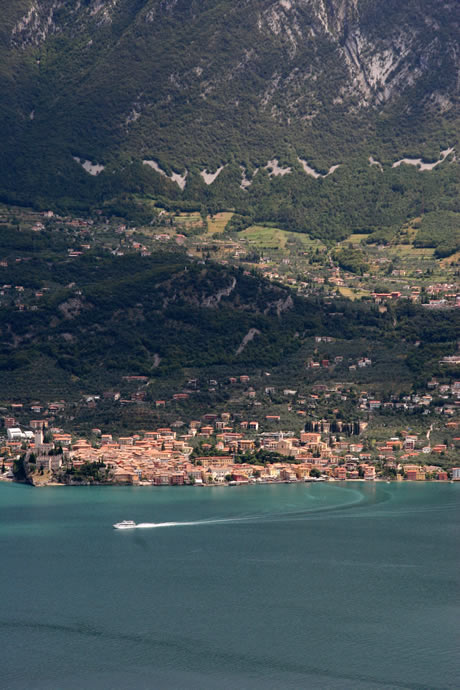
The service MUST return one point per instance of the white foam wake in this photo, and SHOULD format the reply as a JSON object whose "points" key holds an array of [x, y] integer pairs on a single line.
{"points": [[154, 525]]}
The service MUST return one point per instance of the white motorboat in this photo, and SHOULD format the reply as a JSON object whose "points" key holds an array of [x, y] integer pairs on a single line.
{"points": [[125, 524]]}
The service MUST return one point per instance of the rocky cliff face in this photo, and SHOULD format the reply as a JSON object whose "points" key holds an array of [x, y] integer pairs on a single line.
{"points": [[380, 49], [45, 18]]}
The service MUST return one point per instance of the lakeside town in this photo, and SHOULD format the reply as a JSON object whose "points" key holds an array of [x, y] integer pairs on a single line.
{"points": [[215, 451], [363, 423]]}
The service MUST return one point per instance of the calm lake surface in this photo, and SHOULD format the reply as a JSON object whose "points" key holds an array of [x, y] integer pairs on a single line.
{"points": [[287, 586]]}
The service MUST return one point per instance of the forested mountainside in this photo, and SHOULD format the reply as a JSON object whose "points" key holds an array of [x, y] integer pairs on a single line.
{"points": [[324, 116], [101, 317]]}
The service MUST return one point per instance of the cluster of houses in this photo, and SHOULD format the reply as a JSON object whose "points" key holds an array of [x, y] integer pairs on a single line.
{"points": [[213, 452], [442, 296], [438, 398], [323, 278], [359, 363]]}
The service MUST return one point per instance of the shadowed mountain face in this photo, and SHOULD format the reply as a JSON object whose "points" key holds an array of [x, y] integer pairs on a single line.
{"points": [[193, 86], [163, 315]]}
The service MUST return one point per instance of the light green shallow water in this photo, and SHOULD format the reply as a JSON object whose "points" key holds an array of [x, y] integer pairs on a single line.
{"points": [[287, 586]]}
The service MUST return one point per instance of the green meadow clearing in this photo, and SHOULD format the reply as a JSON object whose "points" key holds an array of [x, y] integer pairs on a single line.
{"points": [[274, 238], [353, 294], [356, 238], [408, 251]]}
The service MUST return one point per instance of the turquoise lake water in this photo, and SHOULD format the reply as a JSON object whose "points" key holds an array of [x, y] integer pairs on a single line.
{"points": [[286, 586]]}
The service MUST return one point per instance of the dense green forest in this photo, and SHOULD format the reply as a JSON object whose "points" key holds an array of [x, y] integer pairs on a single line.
{"points": [[440, 230], [351, 259]]}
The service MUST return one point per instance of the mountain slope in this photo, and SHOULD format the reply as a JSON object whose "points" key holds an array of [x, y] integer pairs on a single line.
{"points": [[99, 318], [272, 94]]}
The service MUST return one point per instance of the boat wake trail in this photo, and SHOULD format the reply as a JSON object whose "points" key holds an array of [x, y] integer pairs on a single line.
{"points": [[358, 505], [299, 514], [155, 525]]}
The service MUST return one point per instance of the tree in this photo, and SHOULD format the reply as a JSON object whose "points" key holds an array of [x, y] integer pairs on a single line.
{"points": [[19, 469]]}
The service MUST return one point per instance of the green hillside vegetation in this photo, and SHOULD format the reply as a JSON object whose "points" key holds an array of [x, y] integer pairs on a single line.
{"points": [[196, 86], [351, 259], [105, 317], [441, 231]]}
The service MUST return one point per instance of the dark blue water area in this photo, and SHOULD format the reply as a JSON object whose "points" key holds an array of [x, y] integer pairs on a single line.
{"points": [[341, 585]]}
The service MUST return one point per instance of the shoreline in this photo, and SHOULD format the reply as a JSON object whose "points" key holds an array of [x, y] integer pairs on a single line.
{"points": [[231, 485]]}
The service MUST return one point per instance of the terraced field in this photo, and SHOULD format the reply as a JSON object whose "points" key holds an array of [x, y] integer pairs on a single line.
{"points": [[217, 223], [449, 260], [188, 219]]}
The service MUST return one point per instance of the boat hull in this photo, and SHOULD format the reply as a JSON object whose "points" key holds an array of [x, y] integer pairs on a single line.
{"points": [[122, 525]]}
